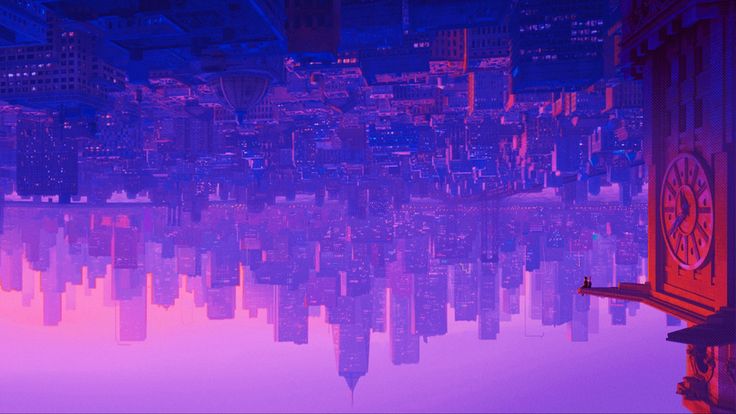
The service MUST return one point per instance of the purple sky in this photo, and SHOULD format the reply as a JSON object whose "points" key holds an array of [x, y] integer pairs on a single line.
{"points": [[189, 363]]}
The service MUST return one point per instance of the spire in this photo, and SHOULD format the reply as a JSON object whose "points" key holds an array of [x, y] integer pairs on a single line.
{"points": [[351, 378]]}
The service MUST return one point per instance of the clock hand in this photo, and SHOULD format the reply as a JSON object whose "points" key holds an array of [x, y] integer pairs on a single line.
{"points": [[683, 215], [685, 205], [677, 222]]}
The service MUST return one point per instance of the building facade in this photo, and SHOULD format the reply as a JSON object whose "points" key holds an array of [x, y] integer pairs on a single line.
{"points": [[680, 50]]}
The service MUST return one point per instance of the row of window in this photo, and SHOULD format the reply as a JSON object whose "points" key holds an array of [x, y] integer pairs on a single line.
{"points": [[139, 22], [586, 39], [570, 55], [41, 48], [487, 43], [587, 23], [447, 43], [489, 52], [48, 88], [490, 29], [64, 61], [48, 83], [535, 27], [308, 21], [41, 73], [15, 56]]}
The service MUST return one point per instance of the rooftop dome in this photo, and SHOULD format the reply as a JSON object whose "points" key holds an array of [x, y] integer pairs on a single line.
{"points": [[242, 91]]}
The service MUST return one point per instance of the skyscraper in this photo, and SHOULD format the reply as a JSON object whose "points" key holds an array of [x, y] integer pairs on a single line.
{"points": [[556, 45], [689, 75], [313, 26], [46, 159], [64, 71]]}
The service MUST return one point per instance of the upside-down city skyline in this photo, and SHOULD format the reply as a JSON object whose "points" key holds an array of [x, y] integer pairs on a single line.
{"points": [[368, 205]]}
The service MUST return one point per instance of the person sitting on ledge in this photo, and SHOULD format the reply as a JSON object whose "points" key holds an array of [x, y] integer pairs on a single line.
{"points": [[586, 282]]}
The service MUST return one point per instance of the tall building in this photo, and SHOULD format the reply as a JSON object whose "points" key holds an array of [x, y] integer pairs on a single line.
{"points": [[190, 134], [165, 284], [352, 345], [487, 90], [313, 25], [488, 302], [689, 75], [488, 41], [47, 160], [556, 45], [150, 36], [427, 15], [430, 302], [224, 264], [450, 44], [376, 23], [125, 239], [291, 324], [133, 318], [119, 133], [465, 293], [220, 302], [404, 343], [411, 55], [63, 71]]}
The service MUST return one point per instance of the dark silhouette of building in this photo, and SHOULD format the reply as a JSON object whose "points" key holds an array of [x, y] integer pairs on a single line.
{"points": [[313, 25]]}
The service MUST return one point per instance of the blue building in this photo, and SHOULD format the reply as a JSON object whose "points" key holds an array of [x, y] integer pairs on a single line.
{"points": [[556, 45]]}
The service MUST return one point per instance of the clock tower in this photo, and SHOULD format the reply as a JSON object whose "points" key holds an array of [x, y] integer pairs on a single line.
{"points": [[685, 52]]}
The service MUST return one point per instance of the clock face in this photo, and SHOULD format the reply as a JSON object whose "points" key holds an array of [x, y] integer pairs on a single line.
{"points": [[686, 204]]}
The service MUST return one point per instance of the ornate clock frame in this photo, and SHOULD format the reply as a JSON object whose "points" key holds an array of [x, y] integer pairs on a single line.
{"points": [[686, 211]]}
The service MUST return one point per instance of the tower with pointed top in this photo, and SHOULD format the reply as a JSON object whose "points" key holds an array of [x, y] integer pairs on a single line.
{"points": [[351, 338]]}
